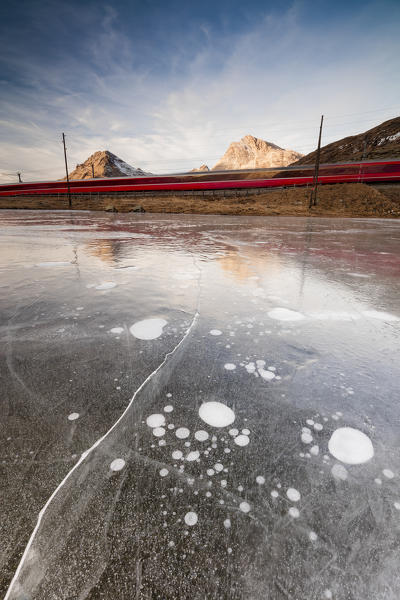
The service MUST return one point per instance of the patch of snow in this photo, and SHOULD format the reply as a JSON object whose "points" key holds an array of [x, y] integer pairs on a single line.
{"points": [[380, 316], [285, 314]]}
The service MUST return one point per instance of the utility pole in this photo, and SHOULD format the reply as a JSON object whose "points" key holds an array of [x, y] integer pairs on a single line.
{"points": [[92, 170], [19, 177], [364, 156], [313, 196], [66, 170]]}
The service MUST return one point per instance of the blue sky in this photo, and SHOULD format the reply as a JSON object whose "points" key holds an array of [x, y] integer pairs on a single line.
{"points": [[168, 85]]}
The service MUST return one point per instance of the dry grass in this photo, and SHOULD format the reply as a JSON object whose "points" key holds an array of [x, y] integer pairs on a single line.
{"points": [[344, 200]]}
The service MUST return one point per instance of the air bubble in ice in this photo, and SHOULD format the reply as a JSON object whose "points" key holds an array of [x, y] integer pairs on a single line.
{"points": [[117, 464], [339, 472], [306, 437], [155, 420], [314, 450], [193, 455], [191, 518], [106, 285], [229, 366], [216, 414], [241, 440], [350, 446], [182, 433], [73, 416], [388, 473], [201, 435], [149, 329], [293, 494], [158, 431]]}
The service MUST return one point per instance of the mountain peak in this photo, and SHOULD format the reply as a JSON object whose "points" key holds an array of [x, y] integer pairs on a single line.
{"points": [[251, 140], [105, 164], [201, 168], [254, 153]]}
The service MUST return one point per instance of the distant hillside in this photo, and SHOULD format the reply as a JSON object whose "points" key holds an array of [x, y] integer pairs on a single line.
{"points": [[381, 142], [253, 153], [105, 164]]}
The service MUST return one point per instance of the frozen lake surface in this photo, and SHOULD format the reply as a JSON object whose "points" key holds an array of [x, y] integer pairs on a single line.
{"points": [[199, 407]]}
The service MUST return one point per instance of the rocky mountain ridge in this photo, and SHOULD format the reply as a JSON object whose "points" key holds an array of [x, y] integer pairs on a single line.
{"points": [[380, 142], [253, 153], [201, 168], [105, 164]]}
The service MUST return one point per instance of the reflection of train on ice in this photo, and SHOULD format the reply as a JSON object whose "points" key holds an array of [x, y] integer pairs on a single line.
{"points": [[366, 172]]}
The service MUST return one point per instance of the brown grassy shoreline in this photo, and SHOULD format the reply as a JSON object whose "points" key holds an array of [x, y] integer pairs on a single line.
{"points": [[344, 200]]}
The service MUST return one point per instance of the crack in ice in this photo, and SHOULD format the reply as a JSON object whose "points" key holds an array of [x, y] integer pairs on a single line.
{"points": [[90, 450]]}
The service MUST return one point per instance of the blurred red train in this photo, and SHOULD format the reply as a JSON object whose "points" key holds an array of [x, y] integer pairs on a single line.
{"points": [[366, 172]]}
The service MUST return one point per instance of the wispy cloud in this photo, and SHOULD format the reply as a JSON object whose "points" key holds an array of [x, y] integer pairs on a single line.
{"points": [[172, 110]]}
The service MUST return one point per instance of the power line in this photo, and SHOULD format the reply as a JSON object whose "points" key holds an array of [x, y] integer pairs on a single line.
{"points": [[282, 130]]}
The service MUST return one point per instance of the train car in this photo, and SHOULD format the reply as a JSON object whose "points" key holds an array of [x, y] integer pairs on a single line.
{"points": [[367, 172]]}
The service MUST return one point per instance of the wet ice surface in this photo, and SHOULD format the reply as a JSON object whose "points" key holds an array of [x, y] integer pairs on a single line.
{"points": [[162, 472]]}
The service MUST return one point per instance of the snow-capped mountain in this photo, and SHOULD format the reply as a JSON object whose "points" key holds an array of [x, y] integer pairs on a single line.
{"points": [[105, 164]]}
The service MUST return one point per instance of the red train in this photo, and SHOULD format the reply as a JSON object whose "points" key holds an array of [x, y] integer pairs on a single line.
{"points": [[366, 172]]}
